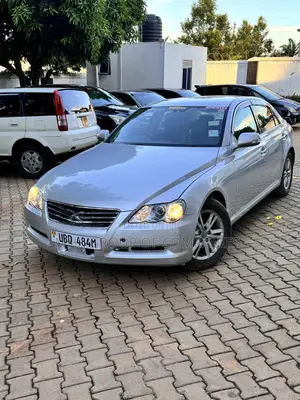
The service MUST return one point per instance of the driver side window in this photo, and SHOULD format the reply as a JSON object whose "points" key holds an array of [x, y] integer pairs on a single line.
{"points": [[244, 122]]}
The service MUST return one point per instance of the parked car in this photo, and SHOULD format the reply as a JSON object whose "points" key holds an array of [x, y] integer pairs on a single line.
{"points": [[175, 93], [137, 98], [41, 125], [110, 111], [166, 186], [288, 109]]}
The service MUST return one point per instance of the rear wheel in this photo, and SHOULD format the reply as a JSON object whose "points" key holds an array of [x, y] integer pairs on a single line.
{"points": [[287, 177], [211, 236], [33, 160]]}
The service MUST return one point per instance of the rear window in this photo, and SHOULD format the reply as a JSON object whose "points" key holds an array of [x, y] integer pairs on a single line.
{"points": [[146, 97], [125, 98], [100, 97], [9, 106], [75, 101], [38, 104], [173, 126]]}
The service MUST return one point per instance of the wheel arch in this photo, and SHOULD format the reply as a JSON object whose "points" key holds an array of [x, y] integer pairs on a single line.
{"points": [[293, 154], [23, 142], [218, 195]]}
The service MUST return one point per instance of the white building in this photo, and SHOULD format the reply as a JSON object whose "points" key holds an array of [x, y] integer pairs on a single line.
{"points": [[148, 65]]}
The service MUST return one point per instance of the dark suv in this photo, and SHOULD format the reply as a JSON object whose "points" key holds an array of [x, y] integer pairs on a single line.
{"points": [[288, 109], [110, 111]]}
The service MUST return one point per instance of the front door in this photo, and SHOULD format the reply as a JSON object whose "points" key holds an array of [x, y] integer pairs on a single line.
{"points": [[249, 161], [271, 139]]}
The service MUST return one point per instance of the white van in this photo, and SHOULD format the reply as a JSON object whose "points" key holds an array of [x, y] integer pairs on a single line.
{"points": [[40, 125]]}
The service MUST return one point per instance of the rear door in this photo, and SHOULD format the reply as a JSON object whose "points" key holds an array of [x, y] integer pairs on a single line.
{"points": [[12, 122], [271, 137], [80, 113]]}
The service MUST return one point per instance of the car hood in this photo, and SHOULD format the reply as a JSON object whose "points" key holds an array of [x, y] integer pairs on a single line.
{"points": [[286, 102], [125, 176]]}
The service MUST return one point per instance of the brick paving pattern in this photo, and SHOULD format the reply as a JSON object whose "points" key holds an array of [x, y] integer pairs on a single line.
{"points": [[75, 331]]}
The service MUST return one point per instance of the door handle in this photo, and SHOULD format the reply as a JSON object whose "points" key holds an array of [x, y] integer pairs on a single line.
{"points": [[284, 135], [264, 151], [14, 124]]}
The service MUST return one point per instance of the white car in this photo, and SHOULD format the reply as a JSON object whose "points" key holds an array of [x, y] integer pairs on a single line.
{"points": [[40, 125]]}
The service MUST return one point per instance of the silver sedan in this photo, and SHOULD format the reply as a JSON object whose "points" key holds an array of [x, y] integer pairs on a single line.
{"points": [[166, 186]]}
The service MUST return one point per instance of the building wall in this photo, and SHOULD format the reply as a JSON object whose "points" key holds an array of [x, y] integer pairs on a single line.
{"points": [[112, 81], [229, 71], [136, 66], [150, 65], [175, 54], [142, 65], [282, 74], [11, 81]]}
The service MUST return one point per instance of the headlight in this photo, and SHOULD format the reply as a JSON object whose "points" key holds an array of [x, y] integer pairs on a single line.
{"points": [[35, 198], [291, 109], [170, 212], [118, 119]]}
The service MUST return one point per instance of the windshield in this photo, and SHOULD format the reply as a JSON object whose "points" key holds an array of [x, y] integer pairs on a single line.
{"points": [[100, 97], [145, 98], [172, 126], [266, 93]]}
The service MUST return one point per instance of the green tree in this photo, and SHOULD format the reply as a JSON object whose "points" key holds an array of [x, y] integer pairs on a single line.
{"points": [[252, 40], [289, 49], [54, 35], [207, 28]]}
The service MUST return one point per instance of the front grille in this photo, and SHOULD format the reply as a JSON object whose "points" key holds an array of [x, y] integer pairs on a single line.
{"points": [[81, 216]]}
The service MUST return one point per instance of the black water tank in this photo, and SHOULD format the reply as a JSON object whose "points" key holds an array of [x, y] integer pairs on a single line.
{"points": [[151, 29]]}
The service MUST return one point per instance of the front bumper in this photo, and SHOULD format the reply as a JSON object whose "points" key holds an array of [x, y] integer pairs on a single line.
{"points": [[157, 244]]}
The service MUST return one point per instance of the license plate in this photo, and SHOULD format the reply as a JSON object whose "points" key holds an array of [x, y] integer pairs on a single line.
{"points": [[84, 121], [84, 242]]}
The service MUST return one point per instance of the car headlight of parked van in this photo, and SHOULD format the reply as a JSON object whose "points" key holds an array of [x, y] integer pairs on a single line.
{"points": [[35, 198]]}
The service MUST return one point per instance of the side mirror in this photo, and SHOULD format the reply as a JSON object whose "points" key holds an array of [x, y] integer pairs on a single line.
{"points": [[247, 139], [103, 135]]}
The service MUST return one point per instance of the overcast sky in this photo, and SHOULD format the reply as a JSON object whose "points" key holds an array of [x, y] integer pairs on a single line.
{"points": [[283, 16]]}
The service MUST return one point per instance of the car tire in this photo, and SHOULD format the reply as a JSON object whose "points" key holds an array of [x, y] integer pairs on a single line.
{"points": [[34, 160], [213, 208], [287, 178]]}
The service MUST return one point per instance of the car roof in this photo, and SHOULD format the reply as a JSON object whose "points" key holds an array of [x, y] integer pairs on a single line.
{"points": [[203, 101], [228, 84], [37, 89], [131, 91], [169, 90]]}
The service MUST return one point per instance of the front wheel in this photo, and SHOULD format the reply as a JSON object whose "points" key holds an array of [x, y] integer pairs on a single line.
{"points": [[286, 179], [212, 235]]}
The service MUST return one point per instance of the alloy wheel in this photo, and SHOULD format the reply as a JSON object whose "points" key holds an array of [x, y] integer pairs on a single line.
{"points": [[31, 162], [209, 235], [287, 173]]}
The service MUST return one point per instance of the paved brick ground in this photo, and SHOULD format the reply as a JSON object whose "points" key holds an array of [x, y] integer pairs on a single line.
{"points": [[77, 331]]}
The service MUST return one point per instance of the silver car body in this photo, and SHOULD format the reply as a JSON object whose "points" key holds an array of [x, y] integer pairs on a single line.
{"points": [[125, 177]]}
